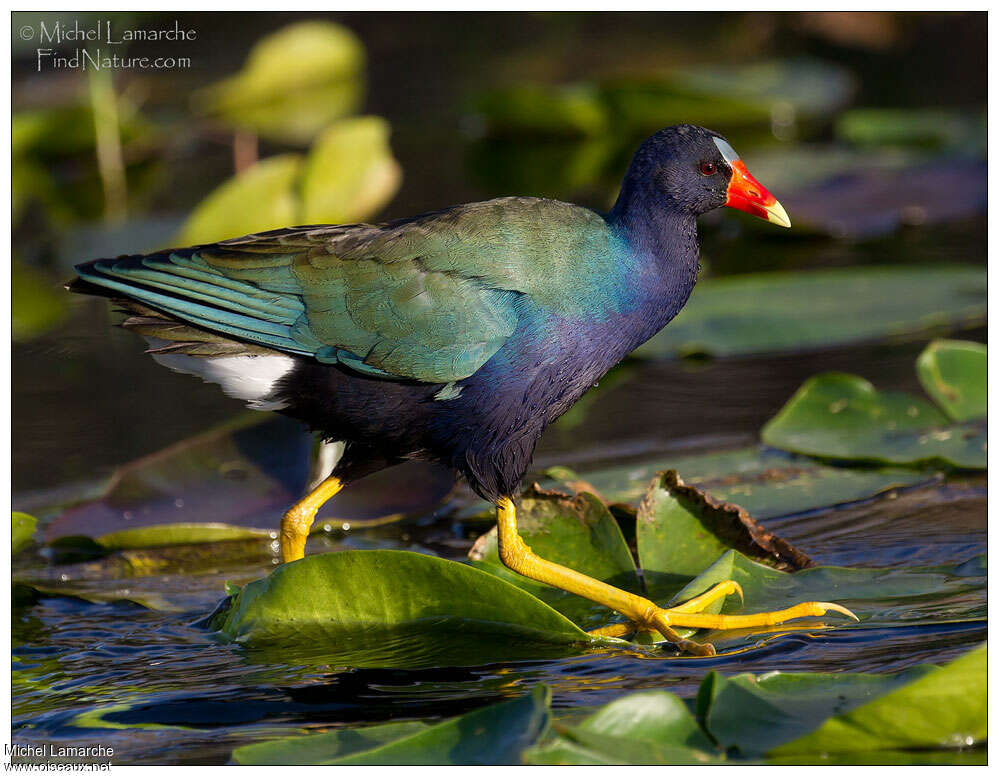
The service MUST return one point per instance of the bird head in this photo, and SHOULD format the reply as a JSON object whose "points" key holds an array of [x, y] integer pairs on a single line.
{"points": [[696, 170]]}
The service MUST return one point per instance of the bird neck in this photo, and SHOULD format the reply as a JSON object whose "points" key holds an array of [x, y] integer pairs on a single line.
{"points": [[662, 247], [654, 228]]}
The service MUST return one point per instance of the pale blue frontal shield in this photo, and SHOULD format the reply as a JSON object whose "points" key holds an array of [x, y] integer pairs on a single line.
{"points": [[727, 152]]}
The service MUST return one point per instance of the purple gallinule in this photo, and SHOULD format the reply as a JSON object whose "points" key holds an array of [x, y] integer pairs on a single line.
{"points": [[456, 336]]}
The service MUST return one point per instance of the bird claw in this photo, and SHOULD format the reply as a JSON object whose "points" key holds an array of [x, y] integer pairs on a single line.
{"points": [[690, 615]]}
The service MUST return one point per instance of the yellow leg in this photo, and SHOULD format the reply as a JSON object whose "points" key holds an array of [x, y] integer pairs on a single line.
{"points": [[297, 522], [644, 614]]}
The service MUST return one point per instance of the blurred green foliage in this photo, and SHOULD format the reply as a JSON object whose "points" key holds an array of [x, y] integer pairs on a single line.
{"points": [[349, 175], [930, 129], [294, 83], [54, 162], [730, 96], [37, 302]]}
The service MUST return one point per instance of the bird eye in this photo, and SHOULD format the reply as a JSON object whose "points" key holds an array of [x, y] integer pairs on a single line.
{"points": [[708, 168]]}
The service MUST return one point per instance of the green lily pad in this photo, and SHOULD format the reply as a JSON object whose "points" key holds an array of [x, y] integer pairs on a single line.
{"points": [[578, 532], [944, 707], [843, 417], [766, 482], [931, 128], [648, 727], [682, 531], [323, 748], [350, 173], [353, 600], [246, 472], [28, 592], [564, 752], [262, 197], [602, 748], [180, 534], [793, 311], [295, 83], [492, 735], [22, 529], [647, 716], [930, 595], [953, 373], [756, 714], [977, 756]]}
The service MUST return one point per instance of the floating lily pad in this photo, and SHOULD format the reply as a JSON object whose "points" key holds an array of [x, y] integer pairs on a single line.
{"points": [[781, 311], [682, 531], [324, 748], [247, 472], [592, 748], [755, 714], [335, 601], [864, 204], [953, 373], [27, 592], [494, 735], [295, 82], [180, 534], [578, 532], [874, 595], [843, 417], [766, 482], [789, 718], [944, 707], [650, 727], [22, 529]]}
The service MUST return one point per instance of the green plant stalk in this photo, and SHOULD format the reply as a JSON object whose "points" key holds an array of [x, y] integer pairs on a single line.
{"points": [[110, 161]]}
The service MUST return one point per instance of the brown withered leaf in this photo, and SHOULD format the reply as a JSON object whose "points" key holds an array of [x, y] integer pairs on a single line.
{"points": [[682, 530]]}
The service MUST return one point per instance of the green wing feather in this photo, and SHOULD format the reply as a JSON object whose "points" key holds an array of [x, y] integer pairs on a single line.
{"points": [[428, 299]]}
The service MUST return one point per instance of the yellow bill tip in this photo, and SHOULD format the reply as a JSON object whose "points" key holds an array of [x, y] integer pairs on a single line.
{"points": [[777, 215]]}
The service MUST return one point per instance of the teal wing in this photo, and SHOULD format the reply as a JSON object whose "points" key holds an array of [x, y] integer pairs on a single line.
{"points": [[428, 299], [378, 311]]}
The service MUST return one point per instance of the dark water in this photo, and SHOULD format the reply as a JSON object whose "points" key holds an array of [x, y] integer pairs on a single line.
{"points": [[85, 400]]}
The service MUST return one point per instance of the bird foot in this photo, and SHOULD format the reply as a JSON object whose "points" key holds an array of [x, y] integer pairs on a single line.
{"points": [[690, 615]]}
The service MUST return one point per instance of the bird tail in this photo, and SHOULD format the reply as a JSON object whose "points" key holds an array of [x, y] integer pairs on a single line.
{"points": [[182, 285]]}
